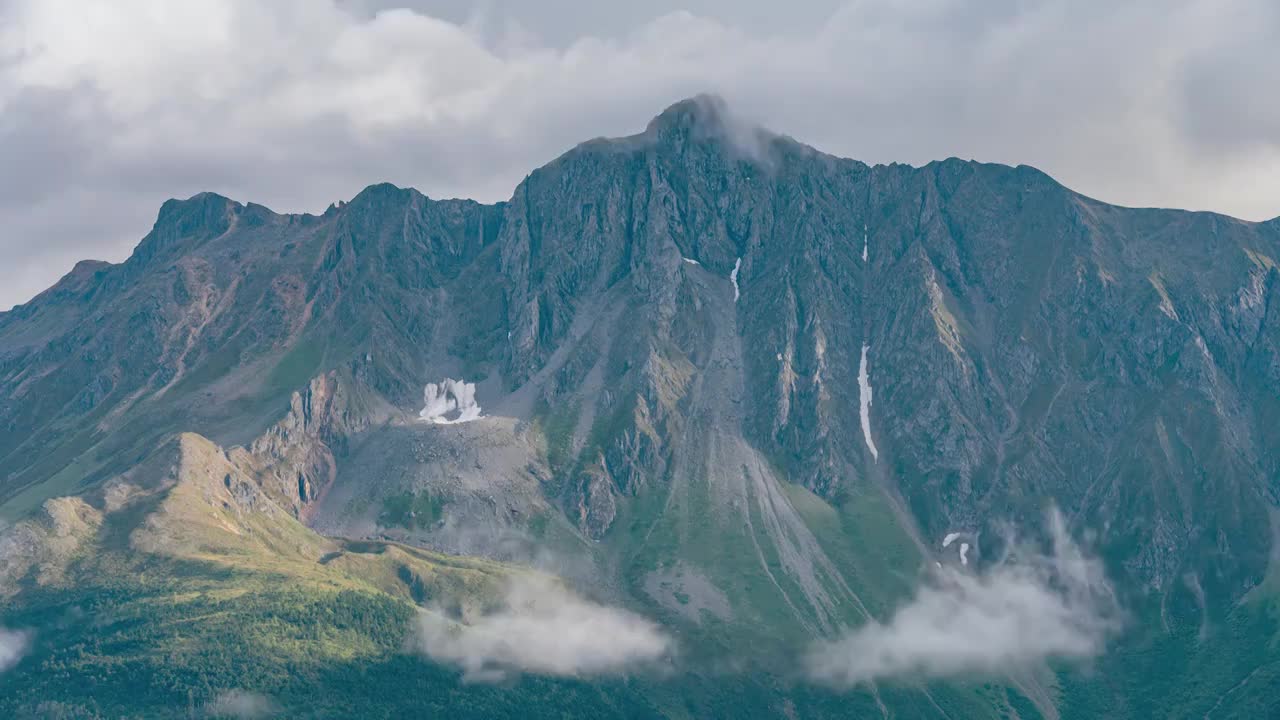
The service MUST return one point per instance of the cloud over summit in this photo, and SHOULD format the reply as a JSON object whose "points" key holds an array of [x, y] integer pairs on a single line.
{"points": [[107, 110]]}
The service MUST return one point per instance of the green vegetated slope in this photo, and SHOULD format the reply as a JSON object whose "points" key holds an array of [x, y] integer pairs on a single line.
{"points": [[1177, 662], [181, 581]]}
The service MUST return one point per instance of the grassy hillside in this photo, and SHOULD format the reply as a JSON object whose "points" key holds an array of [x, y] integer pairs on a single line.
{"points": [[180, 585]]}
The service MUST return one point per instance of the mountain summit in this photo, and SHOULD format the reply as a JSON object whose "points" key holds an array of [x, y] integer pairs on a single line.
{"points": [[762, 395]]}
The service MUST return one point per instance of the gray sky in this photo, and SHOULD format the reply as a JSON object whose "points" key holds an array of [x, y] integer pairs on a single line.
{"points": [[109, 108]]}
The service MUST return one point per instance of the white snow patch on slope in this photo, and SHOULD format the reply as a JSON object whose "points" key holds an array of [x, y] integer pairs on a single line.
{"points": [[691, 261], [865, 243], [452, 401], [964, 553], [864, 400], [950, 538], [733, 278]]}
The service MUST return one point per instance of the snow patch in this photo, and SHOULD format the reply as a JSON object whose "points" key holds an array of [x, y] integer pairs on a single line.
{"points": [[691, 261], [450, 402], [733, 278], [864, 400], [964, 553], [950, 538], [865, 243]]}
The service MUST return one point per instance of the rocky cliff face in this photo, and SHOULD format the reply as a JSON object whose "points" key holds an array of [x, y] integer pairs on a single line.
{"points": [[1025, 344], [294, 461], [688, 345], [222, 312]]}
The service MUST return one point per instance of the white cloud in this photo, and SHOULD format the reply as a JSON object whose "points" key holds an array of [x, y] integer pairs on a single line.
{"points": [[241, 704], [543, 628], [1028, 609], [110, 108], [13, 647]]}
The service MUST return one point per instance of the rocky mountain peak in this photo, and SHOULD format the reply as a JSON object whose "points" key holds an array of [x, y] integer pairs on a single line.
{"points": [[705, 110], [381, 192], [706, 119], [677, 338], [182, 225]]}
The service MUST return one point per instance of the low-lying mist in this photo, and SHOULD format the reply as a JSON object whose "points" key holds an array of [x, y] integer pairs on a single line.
{"points": [[1028, 608], [13, 646], [546, 629]]}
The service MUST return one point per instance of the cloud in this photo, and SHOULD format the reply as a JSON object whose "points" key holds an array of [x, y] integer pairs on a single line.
{"points": [[13, 647], [741, 135], [241, 704], [107, 110], [543, 628], [1028, 609]]}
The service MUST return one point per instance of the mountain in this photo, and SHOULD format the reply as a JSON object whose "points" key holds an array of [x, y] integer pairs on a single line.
{"points": [[705, 373]]}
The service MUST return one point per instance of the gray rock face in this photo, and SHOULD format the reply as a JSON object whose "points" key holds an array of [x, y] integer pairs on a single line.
{"points": [[294, 460], [470, 488], [223, 312], [1027, 343], [668, 331]]}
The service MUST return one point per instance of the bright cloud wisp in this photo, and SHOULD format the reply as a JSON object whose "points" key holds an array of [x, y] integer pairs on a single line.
{"points": [[544, 629], [1027, 609]]}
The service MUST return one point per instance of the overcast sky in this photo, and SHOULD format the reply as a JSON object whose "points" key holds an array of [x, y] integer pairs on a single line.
{"points": [[109, 108]]}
